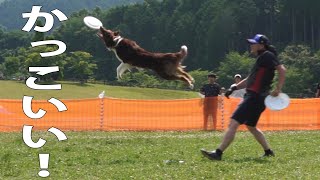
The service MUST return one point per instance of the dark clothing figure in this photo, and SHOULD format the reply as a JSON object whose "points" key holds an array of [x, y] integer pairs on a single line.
{"points": [[258, 86], [210, 103], [262, 73]]}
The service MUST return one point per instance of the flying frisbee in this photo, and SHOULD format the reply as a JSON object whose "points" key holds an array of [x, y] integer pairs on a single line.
{"points": [[92, 22], [277, 103]]}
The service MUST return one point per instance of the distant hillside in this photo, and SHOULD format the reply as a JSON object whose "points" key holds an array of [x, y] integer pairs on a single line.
{"points": [[11, 10]]}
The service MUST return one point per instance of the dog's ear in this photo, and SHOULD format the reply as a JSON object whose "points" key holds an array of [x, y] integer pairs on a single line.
{"points": [[116, 33]]}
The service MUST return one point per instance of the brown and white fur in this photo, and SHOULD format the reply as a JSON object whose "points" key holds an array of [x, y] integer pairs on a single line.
{"points": [[130, 54]]}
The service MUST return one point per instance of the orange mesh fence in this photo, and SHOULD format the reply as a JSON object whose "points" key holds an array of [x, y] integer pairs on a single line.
{"points": [[122, 114], [153, 115], [81, 115]]}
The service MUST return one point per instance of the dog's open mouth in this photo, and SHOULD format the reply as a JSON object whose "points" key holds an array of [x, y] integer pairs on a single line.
{"points": [[99, 34], [101, 37]]}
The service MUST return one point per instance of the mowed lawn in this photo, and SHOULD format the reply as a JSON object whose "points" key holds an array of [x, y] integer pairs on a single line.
{"points": [[150, 155], [73, 90], [160, 155]]}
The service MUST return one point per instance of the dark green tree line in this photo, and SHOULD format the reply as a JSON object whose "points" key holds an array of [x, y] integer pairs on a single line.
{"points": [[215, 32]]}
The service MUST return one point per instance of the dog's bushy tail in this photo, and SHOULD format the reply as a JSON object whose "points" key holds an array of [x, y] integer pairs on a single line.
{"points": [[183, 52]]}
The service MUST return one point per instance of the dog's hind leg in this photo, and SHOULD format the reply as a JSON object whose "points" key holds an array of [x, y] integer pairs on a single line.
{"points": [[176, 76], [122, 68], [185, 79], [182, 72], [118, 71]]}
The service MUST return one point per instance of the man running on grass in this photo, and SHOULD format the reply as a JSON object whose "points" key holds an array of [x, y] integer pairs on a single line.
{"points": [[258, 85]]}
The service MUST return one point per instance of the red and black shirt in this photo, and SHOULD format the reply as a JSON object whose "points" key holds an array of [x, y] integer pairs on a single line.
{"points": [[262, 73]]}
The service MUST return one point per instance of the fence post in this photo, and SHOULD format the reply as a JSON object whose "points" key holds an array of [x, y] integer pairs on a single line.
{"points": [[222, 111], [101, 97]]}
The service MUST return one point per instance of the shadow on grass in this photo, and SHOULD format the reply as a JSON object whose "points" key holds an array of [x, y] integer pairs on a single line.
{"points": [[259, 160]]}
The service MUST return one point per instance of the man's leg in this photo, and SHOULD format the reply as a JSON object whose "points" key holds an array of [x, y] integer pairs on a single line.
{"points": [[210, 122], [205, 113], [226, 141], [214, 113], [205, 121], [214, 121], [229, 135], [257, 133]]}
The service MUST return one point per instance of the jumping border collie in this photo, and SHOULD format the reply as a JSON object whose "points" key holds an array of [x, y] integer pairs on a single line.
{"points": [[130, 54]]}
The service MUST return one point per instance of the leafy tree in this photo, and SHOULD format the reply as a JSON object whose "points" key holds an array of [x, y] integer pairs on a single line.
{"points": [[297, 81], [234, 63], [213, 30], [23, 58], [146, 79], [303, 68], [38, 36], [14, 39], [79, 66], [140, 78], [200, 77], [11, 66], [13, 9]]}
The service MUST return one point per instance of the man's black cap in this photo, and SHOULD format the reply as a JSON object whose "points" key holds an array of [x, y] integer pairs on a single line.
{"points": [[212, 75]]}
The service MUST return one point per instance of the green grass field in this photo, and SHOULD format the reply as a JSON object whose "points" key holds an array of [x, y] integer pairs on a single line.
{"points": [[70, 90], [150, 155], [156, 155]]}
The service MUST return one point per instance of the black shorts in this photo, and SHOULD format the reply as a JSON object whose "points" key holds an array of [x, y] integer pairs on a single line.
{"points": [[250, 109]]}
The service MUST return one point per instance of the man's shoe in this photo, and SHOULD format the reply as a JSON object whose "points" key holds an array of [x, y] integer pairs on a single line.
{"points": [[268, 153], [212, 155]]}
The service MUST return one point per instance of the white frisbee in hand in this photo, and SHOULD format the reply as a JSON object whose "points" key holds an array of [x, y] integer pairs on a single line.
{"points": [[92, 22], [277, 103]]}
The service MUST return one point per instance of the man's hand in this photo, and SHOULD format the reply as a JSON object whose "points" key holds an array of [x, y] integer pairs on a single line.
{"points": [[232, 88], [275, 92]]}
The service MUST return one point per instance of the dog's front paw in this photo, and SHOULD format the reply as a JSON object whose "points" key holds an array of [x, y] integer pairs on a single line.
{"points": [[191, 86]]}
